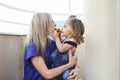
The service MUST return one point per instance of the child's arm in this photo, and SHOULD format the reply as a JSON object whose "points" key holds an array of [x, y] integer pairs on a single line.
{"points": [[61, 47]]}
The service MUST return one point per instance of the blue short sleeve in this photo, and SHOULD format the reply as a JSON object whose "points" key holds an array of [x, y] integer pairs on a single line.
{"points": [[31, 52], [30, 73]]}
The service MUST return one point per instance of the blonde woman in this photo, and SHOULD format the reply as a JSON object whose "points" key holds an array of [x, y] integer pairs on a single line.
{"points": [[38, 49]]}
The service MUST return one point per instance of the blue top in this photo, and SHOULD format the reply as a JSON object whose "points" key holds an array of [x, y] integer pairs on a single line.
{"points": [[59, 59], [30, 73]]}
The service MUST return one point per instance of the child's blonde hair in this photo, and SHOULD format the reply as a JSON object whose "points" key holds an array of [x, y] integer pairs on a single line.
{"points": [[39, 31], [78, 28]]}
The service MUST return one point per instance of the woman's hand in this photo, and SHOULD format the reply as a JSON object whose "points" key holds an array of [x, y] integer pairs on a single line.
{"points": [[72, 58], [75, 74]]}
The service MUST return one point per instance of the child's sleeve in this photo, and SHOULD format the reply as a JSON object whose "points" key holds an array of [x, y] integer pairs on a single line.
{"points": [[71, 43]]}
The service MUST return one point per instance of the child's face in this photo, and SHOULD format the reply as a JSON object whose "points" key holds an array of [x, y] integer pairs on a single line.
{"points": [[67, 30]]}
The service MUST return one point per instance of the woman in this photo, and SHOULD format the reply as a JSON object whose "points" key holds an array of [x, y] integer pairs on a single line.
{"points": [[38, 50]]}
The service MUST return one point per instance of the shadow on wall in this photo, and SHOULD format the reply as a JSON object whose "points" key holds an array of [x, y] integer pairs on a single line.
{"points": [[11, 57]]}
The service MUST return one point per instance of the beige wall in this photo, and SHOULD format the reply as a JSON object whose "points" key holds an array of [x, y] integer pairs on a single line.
{"points": [[100, 53], [11, 57]]}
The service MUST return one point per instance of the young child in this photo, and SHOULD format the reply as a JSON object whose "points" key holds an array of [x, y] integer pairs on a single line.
{"points": [[73, 31]]}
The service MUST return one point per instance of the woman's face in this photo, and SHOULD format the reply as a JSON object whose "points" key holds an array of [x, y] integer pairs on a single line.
{"points": [[52, 27]]}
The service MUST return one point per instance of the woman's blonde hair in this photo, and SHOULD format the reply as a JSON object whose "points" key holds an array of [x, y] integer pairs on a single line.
{"points": [[78, 28], [39, 31]]}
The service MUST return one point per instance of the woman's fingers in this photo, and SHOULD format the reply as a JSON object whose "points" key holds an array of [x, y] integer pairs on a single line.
{"points": [[70, 53], [72, 76], [72, 58], [73, 51], [72, 71]]}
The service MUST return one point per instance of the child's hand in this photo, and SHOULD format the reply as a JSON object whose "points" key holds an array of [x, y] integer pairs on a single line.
{"points": [[58, 30], [57, 33]]}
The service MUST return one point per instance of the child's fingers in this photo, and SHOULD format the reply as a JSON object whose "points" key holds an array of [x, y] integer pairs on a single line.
{"points": [[58, 30]]}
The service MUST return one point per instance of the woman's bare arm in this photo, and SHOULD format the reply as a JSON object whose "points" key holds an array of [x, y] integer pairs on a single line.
{"points": [[39, 63]]}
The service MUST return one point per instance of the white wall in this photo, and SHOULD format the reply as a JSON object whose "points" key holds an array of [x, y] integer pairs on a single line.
{"points": [[101, 48]]}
